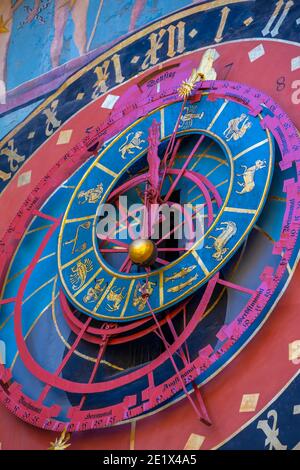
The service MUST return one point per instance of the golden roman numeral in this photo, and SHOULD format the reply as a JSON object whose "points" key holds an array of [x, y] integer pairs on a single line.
{"points": [[176, 43], [103, 71], [224, 16]]}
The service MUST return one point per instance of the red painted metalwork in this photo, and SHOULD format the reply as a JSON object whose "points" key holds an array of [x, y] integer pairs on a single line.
{"points": [[112, 330], [202, 182], [232, 382], [233, 331], [201, 412]]}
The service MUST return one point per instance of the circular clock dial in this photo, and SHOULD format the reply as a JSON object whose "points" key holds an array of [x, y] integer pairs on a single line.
{"points": [[117, 323], [131, 326], [247, 148]]}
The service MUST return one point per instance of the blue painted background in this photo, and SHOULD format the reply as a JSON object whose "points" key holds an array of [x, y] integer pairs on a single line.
{"points": [[29, 48]]}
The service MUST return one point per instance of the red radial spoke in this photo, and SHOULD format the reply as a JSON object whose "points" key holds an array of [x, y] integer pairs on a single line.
{"points": [[171, 249], [236, 287], [113, 250], [66, 358], [102, 348], [201, 413], [184, 326], [144, 332], [204, 414], [116, 241], [170, 146], [124, 264], [174, 153], [182, 170], [170, 163], [173, 136], [162, 261], [7, 301], [119, 222], [175, 336], [128, 268], [175, 228], [44, 216], [146, 228], [125, 215]]}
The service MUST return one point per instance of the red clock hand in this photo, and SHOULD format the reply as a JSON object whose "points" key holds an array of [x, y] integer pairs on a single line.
{"points": [[153, 160], [171, 147], [152, 186], [182, 170]]}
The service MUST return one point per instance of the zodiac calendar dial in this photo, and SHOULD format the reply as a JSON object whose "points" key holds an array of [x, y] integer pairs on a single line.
{"points": [[247, 148]]}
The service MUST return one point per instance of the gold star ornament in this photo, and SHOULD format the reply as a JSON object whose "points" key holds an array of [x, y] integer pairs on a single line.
{"points": [[61, 443], [205, 71]]}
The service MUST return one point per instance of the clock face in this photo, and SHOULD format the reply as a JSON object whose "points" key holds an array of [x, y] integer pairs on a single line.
{"points": [[155, 243], [211, 148], [204, 124]]}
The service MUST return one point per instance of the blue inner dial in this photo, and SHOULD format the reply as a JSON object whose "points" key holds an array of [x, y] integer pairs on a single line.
{"points": [[90, 282]]}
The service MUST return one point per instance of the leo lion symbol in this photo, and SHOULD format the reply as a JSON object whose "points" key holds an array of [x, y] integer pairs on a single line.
{"points": [[129, 145]]}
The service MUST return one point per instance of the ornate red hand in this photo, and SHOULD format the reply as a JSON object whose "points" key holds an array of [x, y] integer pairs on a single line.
{"points": [[152, 186], [184, 167], [153, 161], [171, 147]]}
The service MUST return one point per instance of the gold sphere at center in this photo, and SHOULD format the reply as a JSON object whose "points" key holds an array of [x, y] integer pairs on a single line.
{"points": [[142, 252]]}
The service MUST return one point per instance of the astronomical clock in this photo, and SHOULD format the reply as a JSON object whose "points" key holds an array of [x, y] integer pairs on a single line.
{"points": [[181, 332]]}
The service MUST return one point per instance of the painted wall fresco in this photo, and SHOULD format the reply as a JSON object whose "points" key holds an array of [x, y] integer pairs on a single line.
{"points": [[39, 35]]}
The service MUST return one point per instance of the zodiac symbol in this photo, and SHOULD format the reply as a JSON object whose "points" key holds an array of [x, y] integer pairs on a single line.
{"points": [[227, 232], [180, 274], [129, 145], [271, 432], [142, 294], [82, 247], [181, 286], [186, 119], [248, 176], [91, 195], [80, 271], [237, 128], [12, 153], [52, 122], [93, 293], [116, 296]]}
